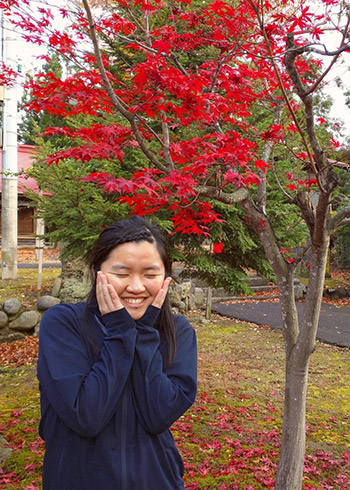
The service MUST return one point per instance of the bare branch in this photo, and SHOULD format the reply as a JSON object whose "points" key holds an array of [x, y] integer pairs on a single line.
{"points": [[310, 49], [335, 55], [227, 198], [147, 33], [345, 222], [284, 93], [339, 219], [319, 157], [166, 145], [288, 196], [267, 152]]}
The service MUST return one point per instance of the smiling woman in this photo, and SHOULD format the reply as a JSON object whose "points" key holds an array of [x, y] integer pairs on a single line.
{"points": [[117, 371], [136, 272]]}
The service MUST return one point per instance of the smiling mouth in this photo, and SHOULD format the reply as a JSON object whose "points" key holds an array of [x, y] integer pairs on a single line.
{"points": [[134, 301]]}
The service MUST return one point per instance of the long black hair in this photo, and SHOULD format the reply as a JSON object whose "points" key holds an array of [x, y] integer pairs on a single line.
{"points": [[136, 229]]}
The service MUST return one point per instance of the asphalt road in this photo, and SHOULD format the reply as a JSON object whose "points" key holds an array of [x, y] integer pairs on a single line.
{"points": [[333, 327], [35, 266]]}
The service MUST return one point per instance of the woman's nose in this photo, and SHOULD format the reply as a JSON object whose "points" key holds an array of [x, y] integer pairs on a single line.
{"points": [[136, 284]]}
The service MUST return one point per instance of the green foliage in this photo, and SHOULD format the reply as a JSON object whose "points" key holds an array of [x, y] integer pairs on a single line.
{"points": [[74, 211], [241, 252], [34, 123], [342, 248]]}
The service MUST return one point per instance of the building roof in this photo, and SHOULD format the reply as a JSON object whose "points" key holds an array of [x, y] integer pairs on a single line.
{"points": [[25, 155]]}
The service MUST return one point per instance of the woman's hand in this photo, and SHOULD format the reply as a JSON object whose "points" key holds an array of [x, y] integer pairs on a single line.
{"points": [[161, 295], [107, 297]]}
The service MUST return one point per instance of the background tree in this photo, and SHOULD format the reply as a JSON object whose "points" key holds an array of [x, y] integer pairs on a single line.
{"points": [[33, 123], [190, 116]]}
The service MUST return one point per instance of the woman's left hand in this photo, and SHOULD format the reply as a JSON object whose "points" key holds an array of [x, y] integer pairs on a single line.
{"points": [[161, 295]]}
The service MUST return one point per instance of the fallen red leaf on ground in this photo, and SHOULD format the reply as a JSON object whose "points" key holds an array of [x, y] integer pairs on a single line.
{"points": [[19, 353]]}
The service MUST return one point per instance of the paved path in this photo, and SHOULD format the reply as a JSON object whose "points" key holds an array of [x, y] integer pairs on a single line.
{"points": [[35, 266], [333, 327]]}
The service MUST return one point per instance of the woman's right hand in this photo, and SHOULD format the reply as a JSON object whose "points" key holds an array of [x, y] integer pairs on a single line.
{"points": [[107, 297]]}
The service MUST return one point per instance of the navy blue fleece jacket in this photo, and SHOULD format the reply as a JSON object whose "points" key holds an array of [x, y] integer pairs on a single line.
{"points": [[106, 411]]}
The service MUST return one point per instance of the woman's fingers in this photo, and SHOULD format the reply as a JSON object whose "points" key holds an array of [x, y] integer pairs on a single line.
{"points": [[161, 295], [107, 297]]}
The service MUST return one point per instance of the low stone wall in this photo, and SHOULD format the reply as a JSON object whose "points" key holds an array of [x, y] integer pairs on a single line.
{"points": [[342, 292], [16, 321]]}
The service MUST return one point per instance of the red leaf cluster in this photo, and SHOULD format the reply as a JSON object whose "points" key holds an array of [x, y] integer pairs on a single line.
{"points": [[19, 353]]}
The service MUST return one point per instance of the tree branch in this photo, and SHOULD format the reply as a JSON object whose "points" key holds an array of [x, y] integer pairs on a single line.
{"points": [[227, 198], [339, 219], [284, 93], [267, 152], [335, 55], [115, 100], [319, 157]]}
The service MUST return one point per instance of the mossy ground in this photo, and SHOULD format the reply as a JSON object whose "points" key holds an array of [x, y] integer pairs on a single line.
{"points": [[28, 278], [230, 438]]}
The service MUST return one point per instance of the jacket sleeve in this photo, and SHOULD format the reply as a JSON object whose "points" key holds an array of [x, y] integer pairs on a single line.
{"points": [[84, 396], [161, 395]]}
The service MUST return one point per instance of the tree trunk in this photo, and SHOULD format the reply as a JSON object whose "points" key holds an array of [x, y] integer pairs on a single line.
{"points": [[298, 352], [299, 334], [291, 462]]}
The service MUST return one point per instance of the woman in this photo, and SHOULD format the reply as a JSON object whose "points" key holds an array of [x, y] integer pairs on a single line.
{"points": [[117, 371]]}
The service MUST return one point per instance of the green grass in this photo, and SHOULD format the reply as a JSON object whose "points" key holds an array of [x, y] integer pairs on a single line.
{"points": [[24, 288]]}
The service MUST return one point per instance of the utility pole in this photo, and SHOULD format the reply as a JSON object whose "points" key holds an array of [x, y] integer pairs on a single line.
{"points": [[9, 200]]}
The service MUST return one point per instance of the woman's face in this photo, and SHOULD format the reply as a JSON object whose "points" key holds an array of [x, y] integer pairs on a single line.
{"points": [[136, 271]]}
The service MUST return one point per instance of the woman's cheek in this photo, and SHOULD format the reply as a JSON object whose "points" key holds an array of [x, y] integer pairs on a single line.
{"points": [[158, 285], [116, 283]]}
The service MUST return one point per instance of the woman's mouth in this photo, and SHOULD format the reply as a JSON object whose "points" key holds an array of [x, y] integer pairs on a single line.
{"points": [[134, 301]]}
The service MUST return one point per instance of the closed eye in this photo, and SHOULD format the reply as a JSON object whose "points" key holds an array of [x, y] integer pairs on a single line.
{"points": [[115, 274]]}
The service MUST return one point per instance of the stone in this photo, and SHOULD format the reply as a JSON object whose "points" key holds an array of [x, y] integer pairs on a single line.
{"points": [[26, 321], [185, 289], [7, 335], [3, 319], [342, 292], [36, 330], [191, 302], [12, 306], [74, 290], [182, 307], [56, 287], [45, 302], [76, 283], [5, 450], [175, 295], [199, 298], [299, 289], [256, 281]]}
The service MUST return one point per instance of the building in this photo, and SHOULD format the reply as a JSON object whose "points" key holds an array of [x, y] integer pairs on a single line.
{"points": [[26, 221]]}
